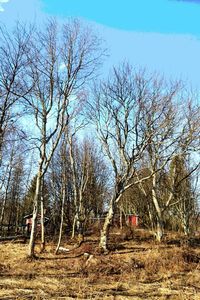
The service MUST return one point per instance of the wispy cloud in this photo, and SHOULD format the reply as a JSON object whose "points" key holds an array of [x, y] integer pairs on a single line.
{"points": [[3, 1]]}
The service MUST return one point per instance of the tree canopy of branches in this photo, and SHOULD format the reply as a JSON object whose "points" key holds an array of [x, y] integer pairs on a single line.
{"points": [[146, 159], [136, 118]]}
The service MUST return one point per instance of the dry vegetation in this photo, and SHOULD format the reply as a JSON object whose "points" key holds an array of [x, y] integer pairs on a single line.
{"points": [[135, 268]]}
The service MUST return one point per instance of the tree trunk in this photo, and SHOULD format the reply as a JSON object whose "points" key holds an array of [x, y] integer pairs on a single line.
{"points": [[150, 217], [62, 214], [186, 229], [31, 250], [81, 217], [17, 216], [185, 222], [121, 218], [5, 199], [159, 227], [159, 230], [74, 226], [42, 218], [74, 182], [2, 213], [103, 244]]}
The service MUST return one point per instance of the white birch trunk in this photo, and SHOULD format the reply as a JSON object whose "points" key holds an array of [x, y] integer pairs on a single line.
{"points": [[159, 226], [31, 252], [74, 226], [62, 213], [103, 244]]}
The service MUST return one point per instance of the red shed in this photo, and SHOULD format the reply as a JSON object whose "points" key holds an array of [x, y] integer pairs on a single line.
{"points": [[133, 220]]}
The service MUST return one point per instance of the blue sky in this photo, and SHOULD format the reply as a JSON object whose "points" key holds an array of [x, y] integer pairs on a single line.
{"points": [[166, 16], [161, 35]]}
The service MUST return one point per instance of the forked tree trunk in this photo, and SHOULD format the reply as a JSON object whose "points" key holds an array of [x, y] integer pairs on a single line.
{"points": [[79, 185]]}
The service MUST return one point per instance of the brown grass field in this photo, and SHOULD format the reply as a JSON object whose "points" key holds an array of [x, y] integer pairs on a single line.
{"points": [[135, 268]]}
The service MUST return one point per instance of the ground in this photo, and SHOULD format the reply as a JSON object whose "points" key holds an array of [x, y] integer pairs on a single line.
{"points": [[135, 268]]}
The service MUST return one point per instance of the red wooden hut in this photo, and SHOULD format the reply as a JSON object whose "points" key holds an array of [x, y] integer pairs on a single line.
{"points": [[133, 220]]}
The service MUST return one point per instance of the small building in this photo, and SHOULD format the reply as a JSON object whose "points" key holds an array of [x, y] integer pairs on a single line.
{"points": [[133, 220], [29, 219]]}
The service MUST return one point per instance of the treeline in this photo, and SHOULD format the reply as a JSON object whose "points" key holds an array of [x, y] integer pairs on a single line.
{"points": [[141, 154]]}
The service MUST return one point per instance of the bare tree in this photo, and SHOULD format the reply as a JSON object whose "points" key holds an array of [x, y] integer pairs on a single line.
{"points": [[60, 63], [13, 84], [78, 181], [167, 124], [118, 114], [185, 166], [184, 202], [12, 186], [5, 187], [160, 124]]}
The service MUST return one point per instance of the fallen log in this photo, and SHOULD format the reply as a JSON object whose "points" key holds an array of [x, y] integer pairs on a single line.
{"points": [[13, 238]]}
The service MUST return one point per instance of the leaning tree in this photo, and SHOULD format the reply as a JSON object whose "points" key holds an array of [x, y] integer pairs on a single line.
{"points": [[117, 110]]}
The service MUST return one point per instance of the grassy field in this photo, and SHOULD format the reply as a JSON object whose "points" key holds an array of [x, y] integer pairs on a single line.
{"points": [[136, 268]]}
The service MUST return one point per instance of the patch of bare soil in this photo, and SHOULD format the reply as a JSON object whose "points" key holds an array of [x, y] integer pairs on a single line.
{"points": [[135, 268]]}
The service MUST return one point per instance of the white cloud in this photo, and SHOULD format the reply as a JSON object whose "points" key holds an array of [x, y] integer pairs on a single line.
{"points": [[3, 1]]}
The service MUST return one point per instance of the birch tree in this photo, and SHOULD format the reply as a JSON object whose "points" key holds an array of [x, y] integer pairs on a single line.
{"points": [[173, 131], [118, 113], [74, 208], [60, 63], [185, 166], [160, 122], [90, 183], [183, 196]]}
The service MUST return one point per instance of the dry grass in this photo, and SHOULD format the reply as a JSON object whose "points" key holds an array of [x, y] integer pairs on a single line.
{"points": [[134, 269]]}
